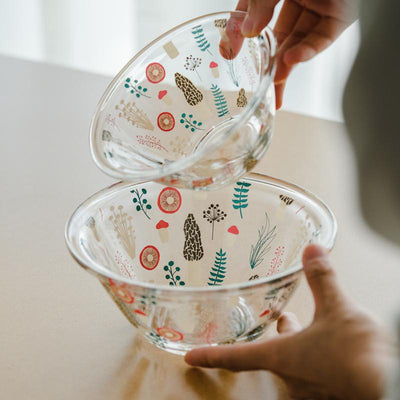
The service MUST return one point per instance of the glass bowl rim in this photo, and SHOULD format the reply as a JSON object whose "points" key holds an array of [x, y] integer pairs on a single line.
{"points": [[266, 78], [98, 269]]}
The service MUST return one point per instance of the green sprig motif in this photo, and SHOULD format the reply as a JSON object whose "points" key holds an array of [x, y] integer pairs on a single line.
{"points": [[136, 89], [230, 62], [141, 203], [201, 39], [189, 123], [175, 279], [239, 200], [220, 102], [218, 271], [266, 235]]}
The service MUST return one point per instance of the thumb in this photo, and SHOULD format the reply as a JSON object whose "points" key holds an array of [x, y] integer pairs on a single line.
{"points": [[322, 280], [243, 357]]}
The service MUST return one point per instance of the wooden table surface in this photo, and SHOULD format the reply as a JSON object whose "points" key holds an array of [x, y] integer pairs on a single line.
{"points": [[61, 337]]}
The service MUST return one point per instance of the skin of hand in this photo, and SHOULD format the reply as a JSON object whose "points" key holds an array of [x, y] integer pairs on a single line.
{"points": [[304, 28], [343, 354]]}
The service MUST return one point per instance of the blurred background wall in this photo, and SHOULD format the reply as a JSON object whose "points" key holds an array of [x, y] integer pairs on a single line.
{"points": [[100, 36]]}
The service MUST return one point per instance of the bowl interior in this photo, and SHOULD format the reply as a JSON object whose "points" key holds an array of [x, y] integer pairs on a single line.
{"points": [[179, 96], [160, 235]]}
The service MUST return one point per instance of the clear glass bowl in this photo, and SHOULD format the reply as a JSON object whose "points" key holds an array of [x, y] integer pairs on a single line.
{"points": [[194, 108], [194, 268]]}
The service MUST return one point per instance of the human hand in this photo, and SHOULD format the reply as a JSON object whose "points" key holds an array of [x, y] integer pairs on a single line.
{"points": [[304, 28], [342, 355]]}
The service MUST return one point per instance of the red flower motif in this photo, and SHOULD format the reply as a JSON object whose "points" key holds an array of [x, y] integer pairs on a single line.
{"points": [[122, 292], [266, 312], [155, 72], [149, 257], [170, 334], [166, 121], [169, 200]]}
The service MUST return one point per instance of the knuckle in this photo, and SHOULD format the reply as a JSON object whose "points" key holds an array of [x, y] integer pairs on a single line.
{"points": [[299, 35]]}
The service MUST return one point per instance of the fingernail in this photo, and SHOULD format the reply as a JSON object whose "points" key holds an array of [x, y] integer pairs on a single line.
{"points": [[247, 26], [307, 53]]}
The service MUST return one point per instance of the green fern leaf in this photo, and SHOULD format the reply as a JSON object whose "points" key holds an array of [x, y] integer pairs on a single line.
{"points": [[218, 271], [220, 102], [240, 198], [201, 40]]}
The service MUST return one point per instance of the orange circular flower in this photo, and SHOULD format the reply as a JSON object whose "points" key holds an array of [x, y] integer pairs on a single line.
{"points": [[166, 121], [122, 292], [155, 72], [169, 200], [149, 257], [170, 334]]}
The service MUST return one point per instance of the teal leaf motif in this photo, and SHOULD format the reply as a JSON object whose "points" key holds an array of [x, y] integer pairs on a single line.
{"points": [[141, 203], [189, 123], [201, 39], [218, 271], [175, 280], [135, 89], [240, 196], [219, 101]]}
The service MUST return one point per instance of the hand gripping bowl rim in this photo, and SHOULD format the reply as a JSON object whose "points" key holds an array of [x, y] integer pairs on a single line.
{"points": [[266, 78], [97, 269]]}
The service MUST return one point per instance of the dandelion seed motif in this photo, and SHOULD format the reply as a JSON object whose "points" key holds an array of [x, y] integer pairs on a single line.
{"points": [[214, 214], [192, 63]]}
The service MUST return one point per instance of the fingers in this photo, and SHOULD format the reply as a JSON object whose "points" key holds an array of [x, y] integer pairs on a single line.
{"points": [[306, 21], [252, 356], [287, 19], [322, 280], [242, 5], [288, 323], [279, 89], [317, 40], [232, 41], [260, 13]]}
